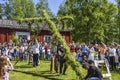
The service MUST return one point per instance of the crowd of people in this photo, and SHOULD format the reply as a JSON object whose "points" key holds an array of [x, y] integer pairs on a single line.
{"points": [[35, 50]]}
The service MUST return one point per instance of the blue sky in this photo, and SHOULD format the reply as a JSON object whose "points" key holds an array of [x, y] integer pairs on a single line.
{"points": [[113, 1], [54, 4]]}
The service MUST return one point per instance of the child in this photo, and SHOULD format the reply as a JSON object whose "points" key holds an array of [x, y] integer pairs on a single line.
{"points": [[5, 66]]}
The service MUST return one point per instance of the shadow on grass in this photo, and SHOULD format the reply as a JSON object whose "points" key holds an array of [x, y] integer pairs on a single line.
{"points": [[24, 66], [44, 74]]}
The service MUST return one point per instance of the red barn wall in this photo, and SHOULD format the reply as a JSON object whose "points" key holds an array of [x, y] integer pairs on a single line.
{"points": [[67, 36], [7, 34]]}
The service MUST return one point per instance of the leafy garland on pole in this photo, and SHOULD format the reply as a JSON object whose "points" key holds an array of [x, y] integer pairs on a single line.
{"points": [[15, 40], [68, 55], [80, 72]]}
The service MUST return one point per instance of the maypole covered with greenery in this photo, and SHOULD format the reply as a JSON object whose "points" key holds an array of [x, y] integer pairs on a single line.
{"points": [[55, 31], [68, 55]]}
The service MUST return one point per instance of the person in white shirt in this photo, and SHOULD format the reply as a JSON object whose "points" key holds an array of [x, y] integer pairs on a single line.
{"points": [[91, 53], [35, 48], [112, 54]]}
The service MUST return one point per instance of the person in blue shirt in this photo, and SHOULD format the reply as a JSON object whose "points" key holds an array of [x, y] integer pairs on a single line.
{"points": [[84, 49]]}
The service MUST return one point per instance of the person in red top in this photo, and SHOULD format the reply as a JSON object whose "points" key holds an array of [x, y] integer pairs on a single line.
{"points": [[72, 49], [46, 49]]}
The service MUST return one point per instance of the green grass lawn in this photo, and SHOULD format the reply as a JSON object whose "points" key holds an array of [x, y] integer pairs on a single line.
{"points": [[23, 71]]}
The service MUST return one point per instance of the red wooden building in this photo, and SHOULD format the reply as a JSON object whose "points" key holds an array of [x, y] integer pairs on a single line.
{"points": [[10, 27]]}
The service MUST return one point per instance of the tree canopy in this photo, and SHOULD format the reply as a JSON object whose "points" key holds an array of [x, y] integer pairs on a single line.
{"points": [[93, 19], [19, 9], [1, 11], [118, 20], [43, 4]]}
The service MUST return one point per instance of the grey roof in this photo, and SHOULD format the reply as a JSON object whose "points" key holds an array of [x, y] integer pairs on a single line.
{"points": [[12, 24]]}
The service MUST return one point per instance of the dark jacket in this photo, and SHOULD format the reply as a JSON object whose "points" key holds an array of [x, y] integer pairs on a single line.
{"points": [[93, 72]]}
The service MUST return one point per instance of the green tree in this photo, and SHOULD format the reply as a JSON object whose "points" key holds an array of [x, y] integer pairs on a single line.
{"points": [[1, 11], [62, 9], [29, 8], [111, 33], [43, 5], [15, 9], [91, 18], [118, 19], [8, 10]]}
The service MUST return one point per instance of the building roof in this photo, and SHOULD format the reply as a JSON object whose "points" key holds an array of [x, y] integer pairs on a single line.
{"points": [[12, 24]]}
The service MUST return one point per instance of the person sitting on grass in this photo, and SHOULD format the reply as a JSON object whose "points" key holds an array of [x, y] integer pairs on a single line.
{"points": [[5, 67], [93, 72]]}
